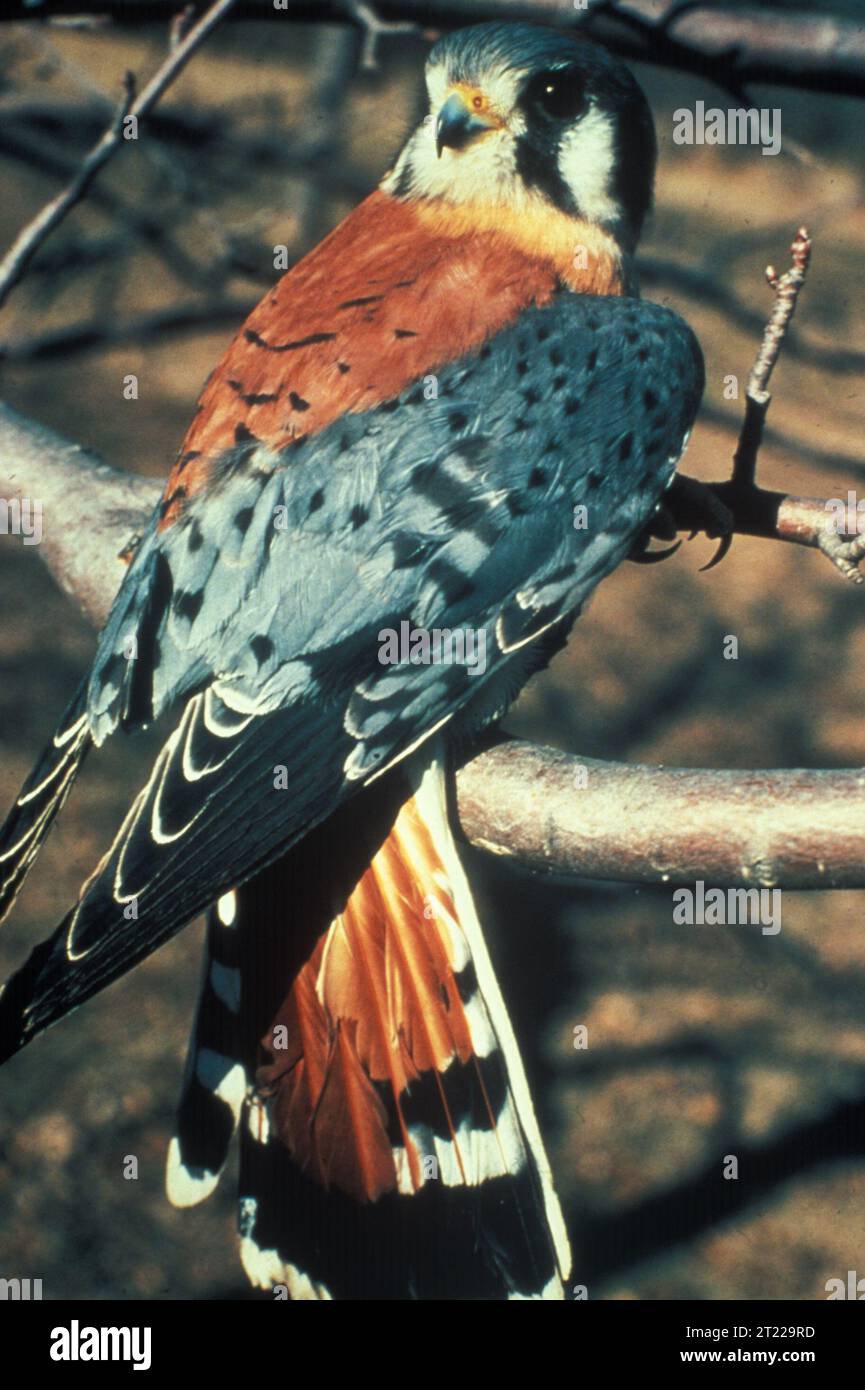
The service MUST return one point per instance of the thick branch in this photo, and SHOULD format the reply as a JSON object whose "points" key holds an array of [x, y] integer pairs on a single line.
{"points": [[88, 511], [772, 516], [542, 809], [552, 812]]}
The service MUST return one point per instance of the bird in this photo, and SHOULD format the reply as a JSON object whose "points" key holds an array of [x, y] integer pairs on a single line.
{"points": [[418, 457]]}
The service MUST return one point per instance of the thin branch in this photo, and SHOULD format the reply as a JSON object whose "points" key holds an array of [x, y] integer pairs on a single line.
{"points": [[29, 240], [738, 505], [374, 29], [832, 461], [787, 288], [18, 143]]}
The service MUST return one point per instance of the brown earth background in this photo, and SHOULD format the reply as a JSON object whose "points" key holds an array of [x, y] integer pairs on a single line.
{"points": [[703, 1042]]}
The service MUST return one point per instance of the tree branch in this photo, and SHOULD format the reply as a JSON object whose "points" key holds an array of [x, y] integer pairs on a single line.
{"points": [[787, 288], [26, 245], [724, 43], [738, 505], [88, 510], [558, 814]]}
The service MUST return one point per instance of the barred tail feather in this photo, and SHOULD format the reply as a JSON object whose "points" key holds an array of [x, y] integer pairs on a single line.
{"points": [[389, 1148], [214, 1082], [488, 988]]}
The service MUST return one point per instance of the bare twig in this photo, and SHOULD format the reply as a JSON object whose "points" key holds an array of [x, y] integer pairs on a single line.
{"points": [[786, 288], [179, 26], [745, 507], [34, 234], [27, 243], [374, 29], [18, 143]]}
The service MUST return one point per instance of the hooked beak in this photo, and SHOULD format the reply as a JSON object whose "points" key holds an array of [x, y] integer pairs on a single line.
{"points": [[457, 126]]}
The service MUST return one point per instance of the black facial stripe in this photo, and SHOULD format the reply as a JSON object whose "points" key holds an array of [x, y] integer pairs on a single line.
{"points": [[636, 153], [404, 181], [538, 167]]}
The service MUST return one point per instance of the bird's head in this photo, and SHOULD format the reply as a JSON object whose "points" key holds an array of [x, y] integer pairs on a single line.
{"points": [[527, 121]]}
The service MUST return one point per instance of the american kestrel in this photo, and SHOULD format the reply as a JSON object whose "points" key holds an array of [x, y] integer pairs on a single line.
{"points": [[444, 426]]}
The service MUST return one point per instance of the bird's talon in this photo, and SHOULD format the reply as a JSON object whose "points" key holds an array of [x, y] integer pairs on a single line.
{"points": [[700, 506], [723, 546], [654, 557]]}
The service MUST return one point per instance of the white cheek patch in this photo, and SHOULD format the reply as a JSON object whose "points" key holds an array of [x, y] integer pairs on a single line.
{"points": [[483, 172], [586, 156]]}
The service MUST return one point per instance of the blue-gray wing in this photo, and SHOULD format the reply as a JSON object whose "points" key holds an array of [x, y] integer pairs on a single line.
{"points": [[287, 609]]}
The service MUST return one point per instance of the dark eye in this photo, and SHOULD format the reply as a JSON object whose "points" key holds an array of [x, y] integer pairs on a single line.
{"points": [[560, 94]]}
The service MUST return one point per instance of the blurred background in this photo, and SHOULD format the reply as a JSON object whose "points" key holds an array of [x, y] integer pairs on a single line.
{"points": [[703, 1042]]}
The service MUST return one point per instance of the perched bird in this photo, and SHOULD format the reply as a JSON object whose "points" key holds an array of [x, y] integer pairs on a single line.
{"points": [[453, 416]]}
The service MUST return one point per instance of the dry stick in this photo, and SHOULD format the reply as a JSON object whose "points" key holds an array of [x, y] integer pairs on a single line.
{"points": [[34, 234], [27, 243], [754, 510], [374, 28], [758, 399]]}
